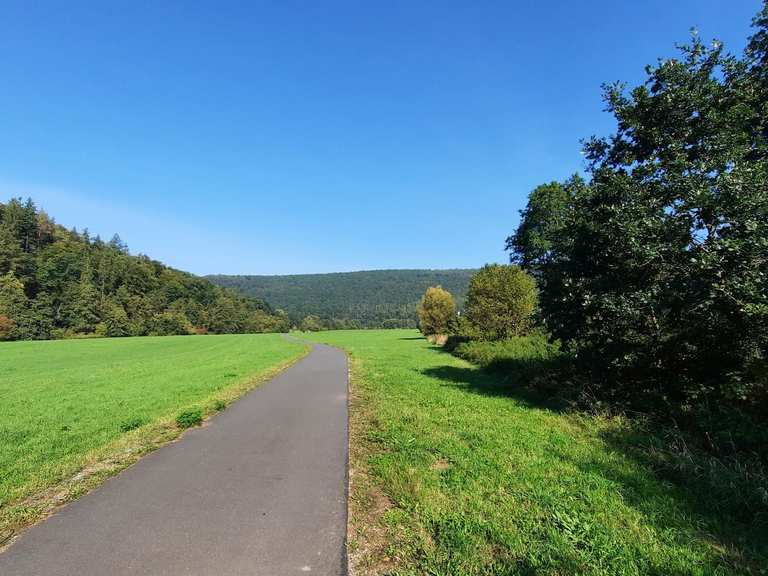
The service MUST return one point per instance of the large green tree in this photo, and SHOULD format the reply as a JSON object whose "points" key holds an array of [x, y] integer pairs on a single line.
{"points": [[656, 269]]}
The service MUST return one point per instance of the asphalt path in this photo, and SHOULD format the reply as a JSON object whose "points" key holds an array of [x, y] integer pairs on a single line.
{"points": [[259, 490]]}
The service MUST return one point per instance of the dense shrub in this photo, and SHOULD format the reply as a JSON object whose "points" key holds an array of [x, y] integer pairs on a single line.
{"points": [[189, 418], [170, 324], [495, 354], [500, 302], [435, 311], [454, 341], [532, 361], [311, 323], [131, 424]]}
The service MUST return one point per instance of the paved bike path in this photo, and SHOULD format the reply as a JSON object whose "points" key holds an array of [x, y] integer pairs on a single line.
{"points": [[260, 490]]}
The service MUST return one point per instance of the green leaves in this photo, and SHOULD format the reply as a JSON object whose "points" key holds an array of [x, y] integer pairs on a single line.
{"points": [[655, 270], [436, 310], [501, 301]]}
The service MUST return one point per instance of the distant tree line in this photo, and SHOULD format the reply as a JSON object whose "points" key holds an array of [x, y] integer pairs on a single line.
{"points": [[58, 283], [368, 299]]}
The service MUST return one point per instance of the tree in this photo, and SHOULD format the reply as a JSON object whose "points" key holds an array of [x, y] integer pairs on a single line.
{"points": [[169, 324], [6, 327], [14, 305], [435, 311], [18, 241], [540, 221], [282, 322], [226, 317], [311, 323], [656, 270], [116, 322], [10, 249], [85, 306], [501, 301]]}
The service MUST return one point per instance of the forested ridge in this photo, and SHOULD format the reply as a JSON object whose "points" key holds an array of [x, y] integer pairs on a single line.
{"points": [[59, 283], [365, 299]]}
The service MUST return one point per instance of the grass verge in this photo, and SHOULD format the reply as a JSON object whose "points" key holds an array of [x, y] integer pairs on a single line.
{"points": [[76, 412], [455, 472]]}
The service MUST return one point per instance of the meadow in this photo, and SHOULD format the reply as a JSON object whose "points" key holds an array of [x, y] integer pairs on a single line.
{"points": [[75, 411], [454, 473]]}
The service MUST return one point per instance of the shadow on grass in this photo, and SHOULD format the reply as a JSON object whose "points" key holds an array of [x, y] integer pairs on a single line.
{"points": [[527, 380], [412, 338], [735, 524]]}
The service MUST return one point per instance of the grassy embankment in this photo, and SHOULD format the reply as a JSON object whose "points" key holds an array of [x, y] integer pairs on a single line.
{"points": [[73, 412], [454, 473]]}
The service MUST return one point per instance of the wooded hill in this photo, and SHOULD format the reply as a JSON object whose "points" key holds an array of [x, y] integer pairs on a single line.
{"points": [[367, 299], [59, 283]]}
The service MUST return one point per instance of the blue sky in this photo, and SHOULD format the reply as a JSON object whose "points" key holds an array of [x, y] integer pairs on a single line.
{"points": [[292, 137]]}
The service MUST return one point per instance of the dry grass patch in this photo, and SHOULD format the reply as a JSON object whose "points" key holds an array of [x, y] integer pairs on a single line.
{"points": [[368, 538]]}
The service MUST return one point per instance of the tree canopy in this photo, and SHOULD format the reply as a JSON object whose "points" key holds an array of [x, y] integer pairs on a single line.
{"points": [[655, 268]]}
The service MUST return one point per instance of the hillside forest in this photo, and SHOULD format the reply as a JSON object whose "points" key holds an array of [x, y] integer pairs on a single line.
{"points": [[57, 283], [367, 299]]}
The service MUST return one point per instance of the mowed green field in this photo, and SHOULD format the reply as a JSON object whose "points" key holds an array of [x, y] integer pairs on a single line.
{"points": [[454, 475], [68, 404]]}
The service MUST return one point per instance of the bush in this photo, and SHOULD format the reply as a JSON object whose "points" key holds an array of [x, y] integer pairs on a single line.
{"points": [[501, 301], [453, 341], [131, 424], [435, 311], [529, 362], [170, 324], [500, 355], [189, 418], [311, 323]]}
